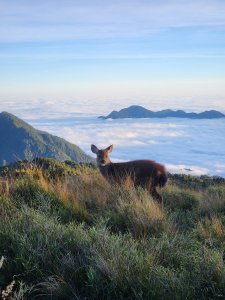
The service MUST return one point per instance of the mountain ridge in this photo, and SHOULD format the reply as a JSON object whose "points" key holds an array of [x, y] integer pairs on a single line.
{"points": [[19, 141], [137, 111]]}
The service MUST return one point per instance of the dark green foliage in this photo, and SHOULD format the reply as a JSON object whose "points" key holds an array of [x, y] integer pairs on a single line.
{"points": [[194, 182], [21, 141], [50, 168]]}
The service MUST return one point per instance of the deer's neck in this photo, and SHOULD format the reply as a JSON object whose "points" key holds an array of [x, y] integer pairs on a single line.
{"points": [[104, 169]]}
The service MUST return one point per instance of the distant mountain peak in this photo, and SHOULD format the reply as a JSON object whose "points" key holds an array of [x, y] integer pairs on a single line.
{"points": [[8, 115], [14, 120], [20, 141], [137, 111]]}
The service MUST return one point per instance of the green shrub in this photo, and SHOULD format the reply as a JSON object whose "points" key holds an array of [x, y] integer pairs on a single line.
{"points": [[29, 192], [213, 201], [175, 198], [217, 192], [183, 220], [200, 269], [68, 260]]}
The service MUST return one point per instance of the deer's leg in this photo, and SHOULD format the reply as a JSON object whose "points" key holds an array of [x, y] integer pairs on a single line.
{"points": [[156, 195]]}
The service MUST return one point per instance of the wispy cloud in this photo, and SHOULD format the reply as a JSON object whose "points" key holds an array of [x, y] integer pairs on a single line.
{"points": [[46, 56], [46, 20], [113, 51]]}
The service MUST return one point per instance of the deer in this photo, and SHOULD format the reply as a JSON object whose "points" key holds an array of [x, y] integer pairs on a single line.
{"points": [[147, 174]]}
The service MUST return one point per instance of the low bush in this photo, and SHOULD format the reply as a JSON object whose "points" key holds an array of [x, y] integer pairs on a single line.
{"points": [[182, 199]]}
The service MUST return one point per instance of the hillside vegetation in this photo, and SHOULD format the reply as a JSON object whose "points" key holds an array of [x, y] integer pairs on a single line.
{"points": [[19, 141], [65, 233]]}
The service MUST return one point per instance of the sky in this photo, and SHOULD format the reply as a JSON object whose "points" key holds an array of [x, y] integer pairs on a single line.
{"points": [[100, 50], [63, 63]]}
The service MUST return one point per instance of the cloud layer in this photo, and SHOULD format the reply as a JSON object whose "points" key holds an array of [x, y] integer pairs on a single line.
{"points": [[185, 146]]}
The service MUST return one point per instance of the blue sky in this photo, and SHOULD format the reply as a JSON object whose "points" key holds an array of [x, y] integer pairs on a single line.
{"points": [[112, 49]]}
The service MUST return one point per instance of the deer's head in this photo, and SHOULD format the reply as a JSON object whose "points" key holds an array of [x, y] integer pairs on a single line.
{"points": [[102, 155]]}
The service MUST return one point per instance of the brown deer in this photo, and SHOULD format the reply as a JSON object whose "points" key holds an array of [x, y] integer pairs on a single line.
{"points": [[145, 173]]}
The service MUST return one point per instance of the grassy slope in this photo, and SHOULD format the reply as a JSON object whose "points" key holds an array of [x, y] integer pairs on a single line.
{"points": [[72, 236]]}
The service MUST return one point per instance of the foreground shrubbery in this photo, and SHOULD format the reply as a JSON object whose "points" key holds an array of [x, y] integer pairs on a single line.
{"points": [[77, 237]]}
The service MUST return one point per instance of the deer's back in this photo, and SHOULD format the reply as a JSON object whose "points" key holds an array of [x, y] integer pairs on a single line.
{"points": [[141, 171]]}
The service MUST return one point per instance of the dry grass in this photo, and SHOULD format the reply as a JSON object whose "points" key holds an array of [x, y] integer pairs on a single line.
{"points": [[142, 215], [4, 187], [213, 200], [79, 237], [211, 230]]}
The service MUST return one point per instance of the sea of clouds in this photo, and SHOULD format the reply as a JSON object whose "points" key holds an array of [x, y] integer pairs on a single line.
{"points": [[183, 145]]}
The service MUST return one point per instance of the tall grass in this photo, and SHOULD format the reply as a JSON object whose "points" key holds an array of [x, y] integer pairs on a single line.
{"points": [[213, 201], [77, 237]]}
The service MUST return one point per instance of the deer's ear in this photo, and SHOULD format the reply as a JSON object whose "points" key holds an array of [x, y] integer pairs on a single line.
{"points": [[109, 149], [94, 149]]}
